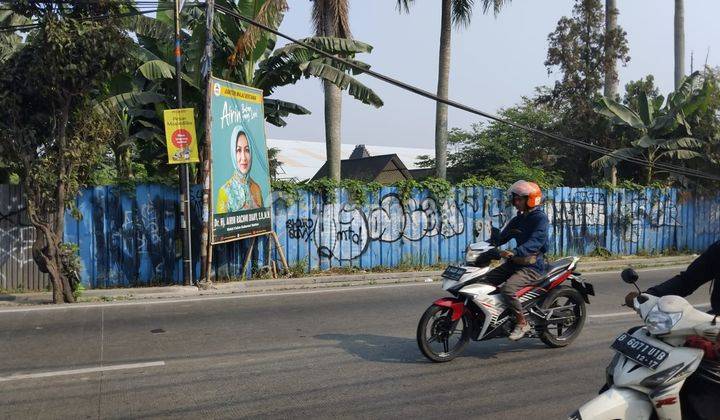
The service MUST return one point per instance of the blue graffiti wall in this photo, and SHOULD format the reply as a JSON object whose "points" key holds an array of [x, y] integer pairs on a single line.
{"points": [[132, 238]]}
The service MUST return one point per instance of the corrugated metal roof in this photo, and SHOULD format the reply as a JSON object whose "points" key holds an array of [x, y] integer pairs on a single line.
{"points": [[302, 159]]}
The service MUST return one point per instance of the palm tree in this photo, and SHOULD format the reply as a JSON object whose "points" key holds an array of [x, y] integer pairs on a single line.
{"points": [[679, 42], [241, 55], [458, 12], [331, 19]]}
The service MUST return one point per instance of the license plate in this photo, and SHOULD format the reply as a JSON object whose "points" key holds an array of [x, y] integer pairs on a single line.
{"points": [[641, 352], [453, 272]]}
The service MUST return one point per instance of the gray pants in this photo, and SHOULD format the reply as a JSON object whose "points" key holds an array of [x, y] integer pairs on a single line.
{"points": [[515, 279]]}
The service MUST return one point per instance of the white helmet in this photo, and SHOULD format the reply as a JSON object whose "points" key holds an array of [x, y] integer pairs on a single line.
{"points": [[527, 189]]}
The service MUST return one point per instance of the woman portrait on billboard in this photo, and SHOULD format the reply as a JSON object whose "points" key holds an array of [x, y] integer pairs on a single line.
{"points": [[240, 192]]}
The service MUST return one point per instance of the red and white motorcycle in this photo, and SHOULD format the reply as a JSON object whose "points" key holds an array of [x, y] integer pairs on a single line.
{"points": [[477, 311]]}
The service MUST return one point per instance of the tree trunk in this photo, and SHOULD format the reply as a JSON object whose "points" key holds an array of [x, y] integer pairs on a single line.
{"points": [[333, 107], [611, 75], [53, 231], [679, 42], [46, 254], [333, 112], [441, 110]]}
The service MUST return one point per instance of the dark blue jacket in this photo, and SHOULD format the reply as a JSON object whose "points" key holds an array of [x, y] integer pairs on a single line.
{"points": [[530, 231]]}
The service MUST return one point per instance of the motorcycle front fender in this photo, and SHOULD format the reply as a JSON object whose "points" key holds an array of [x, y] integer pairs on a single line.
{"points": [[616, 403], [457, 306]]}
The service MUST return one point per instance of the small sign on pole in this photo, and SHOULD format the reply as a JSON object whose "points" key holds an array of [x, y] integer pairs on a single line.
{"points": [[180, 136]]}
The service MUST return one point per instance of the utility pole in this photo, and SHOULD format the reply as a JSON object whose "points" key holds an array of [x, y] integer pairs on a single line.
{"points": [[206, 246], [188, 277]]}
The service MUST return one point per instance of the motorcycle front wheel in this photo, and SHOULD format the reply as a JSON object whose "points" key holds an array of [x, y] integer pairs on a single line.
{"points": [[439, 338]]}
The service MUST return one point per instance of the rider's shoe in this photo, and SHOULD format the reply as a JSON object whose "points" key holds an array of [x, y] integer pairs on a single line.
{"points": [[519, 331]]}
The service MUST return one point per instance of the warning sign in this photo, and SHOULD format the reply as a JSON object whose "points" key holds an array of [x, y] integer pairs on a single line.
{"points": [[180, 135]]}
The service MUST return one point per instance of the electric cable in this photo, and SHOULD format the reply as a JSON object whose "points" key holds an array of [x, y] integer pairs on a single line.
{"points": [[574, 142]]}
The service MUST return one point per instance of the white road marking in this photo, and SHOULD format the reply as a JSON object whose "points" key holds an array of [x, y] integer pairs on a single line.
{"points": [[629, 312], [241, 295], [51, 374]]}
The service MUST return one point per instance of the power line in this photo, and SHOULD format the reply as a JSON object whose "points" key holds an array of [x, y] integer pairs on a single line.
{"points": [[574, 142], [413, 89], [30, 26]]}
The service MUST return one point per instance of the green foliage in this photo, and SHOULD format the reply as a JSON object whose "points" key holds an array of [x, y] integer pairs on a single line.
{"points": [[326, 187], [579, 50], [290, 190], [502, 154], [485, 182], [48, 126], [359, 190], [298, 269], [293, 62], [406, 188], [629, 185], [600, 252], [662, 130], [10, 42], [72, 265], [439, 189]]}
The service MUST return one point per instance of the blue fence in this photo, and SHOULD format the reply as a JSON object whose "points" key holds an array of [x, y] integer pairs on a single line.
{"points": [[128, 239]]}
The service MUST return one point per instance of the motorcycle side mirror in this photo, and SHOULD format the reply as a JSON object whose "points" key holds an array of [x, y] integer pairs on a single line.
{"points": [[494, 236], [629, 276]]}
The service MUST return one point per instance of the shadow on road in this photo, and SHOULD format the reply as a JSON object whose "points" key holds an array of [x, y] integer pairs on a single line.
{"points": [[378, 348]]}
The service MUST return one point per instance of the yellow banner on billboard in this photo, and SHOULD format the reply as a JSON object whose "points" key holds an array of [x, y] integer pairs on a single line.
{"points": [[180, 136], [243, 94]]}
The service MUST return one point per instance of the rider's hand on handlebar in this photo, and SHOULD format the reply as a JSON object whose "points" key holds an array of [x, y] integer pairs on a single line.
{"points": [[630, 298], [506, 254]]}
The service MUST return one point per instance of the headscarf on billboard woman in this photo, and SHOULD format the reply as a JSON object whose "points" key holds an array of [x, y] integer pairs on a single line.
{"points": [[240, 192]]}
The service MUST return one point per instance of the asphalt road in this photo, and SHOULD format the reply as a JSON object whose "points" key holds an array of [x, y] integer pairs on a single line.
{"points": [[328, 354]]}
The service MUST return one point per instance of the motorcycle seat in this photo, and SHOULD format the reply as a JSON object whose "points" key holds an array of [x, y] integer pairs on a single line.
{"points": [[558, 266], [552, 270]]}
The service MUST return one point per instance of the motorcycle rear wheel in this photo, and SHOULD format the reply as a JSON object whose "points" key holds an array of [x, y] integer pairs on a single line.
{"points": [[561, 334], [434, 331]]}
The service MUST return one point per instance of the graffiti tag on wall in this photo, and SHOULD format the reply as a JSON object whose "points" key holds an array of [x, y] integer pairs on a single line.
{"points": [[344, 231]]}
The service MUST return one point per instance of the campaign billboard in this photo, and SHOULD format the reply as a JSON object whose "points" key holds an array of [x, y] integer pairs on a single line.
{"points": [[240, 173]]}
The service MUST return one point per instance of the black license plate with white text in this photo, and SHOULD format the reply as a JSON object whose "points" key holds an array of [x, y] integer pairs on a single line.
{"points": [[453, 272], [641, 352]]}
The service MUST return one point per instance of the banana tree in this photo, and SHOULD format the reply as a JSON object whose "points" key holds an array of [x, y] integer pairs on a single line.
{"points": [[664, 132], [294, 61], [10, 41]]}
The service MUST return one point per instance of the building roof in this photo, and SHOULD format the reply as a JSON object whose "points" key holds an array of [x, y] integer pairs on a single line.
{"points": [[360, 152], [422, 173], [371, 168], [302, 159]]}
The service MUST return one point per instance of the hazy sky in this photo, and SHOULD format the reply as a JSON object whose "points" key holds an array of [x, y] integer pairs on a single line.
{"points": [[495, 61]]}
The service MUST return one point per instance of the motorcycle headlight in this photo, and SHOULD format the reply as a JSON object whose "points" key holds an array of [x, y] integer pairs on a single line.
{"points": [[659, 322]]}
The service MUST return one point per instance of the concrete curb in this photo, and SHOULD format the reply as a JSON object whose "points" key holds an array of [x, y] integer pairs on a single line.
{"points": [[276, 285]]}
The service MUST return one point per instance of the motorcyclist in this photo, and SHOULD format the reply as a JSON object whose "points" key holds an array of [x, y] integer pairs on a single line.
{"points": [[525, 264], [702, 388], [703, 270]]}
